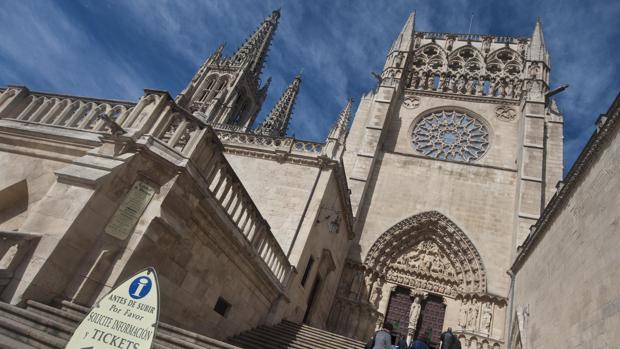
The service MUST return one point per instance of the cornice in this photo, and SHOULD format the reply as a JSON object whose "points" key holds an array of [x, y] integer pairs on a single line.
{"points": [[461, 97]]}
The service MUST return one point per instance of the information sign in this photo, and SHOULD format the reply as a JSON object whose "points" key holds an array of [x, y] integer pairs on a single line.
{"points": [[125, 318]]}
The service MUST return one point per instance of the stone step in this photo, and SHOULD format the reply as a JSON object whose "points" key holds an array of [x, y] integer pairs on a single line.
{"points": [[294, 340], [56, 314], [41, 326], [78, 312], [36, 321], [351, 343], [292, 335], [28, 335], [7, 342]]}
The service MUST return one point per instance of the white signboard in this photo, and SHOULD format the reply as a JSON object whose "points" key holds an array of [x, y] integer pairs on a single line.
{"points": [[125, 318]]}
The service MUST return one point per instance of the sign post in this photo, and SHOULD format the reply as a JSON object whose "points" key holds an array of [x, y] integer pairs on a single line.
{"points": [[125, 318]]}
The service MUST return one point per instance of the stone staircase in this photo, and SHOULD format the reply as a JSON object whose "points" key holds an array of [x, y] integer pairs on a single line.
{"points": [[291, 335], [41, 326]]}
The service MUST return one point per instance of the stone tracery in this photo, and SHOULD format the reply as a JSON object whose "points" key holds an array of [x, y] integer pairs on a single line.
{"points": [[450, 135], [429, 252], [468, 71]]}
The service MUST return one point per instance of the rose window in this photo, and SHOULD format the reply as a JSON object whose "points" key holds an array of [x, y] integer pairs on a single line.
{"points": [[450, 135]]}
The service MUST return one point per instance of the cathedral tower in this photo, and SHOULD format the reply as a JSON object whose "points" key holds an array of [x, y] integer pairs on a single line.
{"points": [[226, 91], [450, 160]]}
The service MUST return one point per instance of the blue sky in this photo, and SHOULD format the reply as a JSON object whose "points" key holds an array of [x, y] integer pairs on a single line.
{"points": [[115, 49]]}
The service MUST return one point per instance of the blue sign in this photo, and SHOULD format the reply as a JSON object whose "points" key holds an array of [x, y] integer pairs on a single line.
{"points": [[140, 287]]}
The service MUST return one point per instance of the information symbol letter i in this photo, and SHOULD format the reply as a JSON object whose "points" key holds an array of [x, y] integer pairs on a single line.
{"points": [[141, 284], [140, 287]]}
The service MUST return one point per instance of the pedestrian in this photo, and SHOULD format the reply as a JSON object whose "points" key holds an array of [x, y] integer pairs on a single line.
{"points": [[457, 343], [419, 343], [383, 337], [401, 342], [447, 339]]}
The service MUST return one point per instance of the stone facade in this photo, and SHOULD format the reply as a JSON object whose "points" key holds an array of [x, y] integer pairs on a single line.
{"points": [[428, 198], [566, 272]]}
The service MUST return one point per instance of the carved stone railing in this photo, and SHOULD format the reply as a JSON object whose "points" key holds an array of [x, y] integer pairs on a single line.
{"points": [[237, 203], [180, 131], [14, 247], [59, 110], [287, 144], [471, 340], [227, 127], [470, 37]]}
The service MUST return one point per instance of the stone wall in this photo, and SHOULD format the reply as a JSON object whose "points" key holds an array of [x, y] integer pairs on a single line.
{"points": [[567, 277], [280, 191]]}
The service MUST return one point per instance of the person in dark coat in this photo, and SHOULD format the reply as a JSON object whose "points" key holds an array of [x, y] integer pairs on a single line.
{"points": [[457, 343], [447, 339], [419, 343], [401, 342]]}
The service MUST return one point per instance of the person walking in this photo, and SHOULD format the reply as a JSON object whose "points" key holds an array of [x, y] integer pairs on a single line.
{"points": [[401, 343], [419, 343], [383, 337], [447, 339]]}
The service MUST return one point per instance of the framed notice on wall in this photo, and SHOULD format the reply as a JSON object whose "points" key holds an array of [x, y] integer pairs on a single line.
{"points": [[126, 217]]}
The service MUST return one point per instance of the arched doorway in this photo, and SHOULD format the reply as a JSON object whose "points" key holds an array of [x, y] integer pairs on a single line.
{"points": [[419, 266], [425, 256]]}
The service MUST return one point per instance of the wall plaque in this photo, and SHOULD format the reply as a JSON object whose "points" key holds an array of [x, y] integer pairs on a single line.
{"points": [[128, 213]]}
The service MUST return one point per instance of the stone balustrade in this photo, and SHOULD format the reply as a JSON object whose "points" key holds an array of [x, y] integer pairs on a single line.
{"points": [[227, 127], [179, 132], [14, 247], [470, 37], [287, 144], [59, 110], [236, 202]]}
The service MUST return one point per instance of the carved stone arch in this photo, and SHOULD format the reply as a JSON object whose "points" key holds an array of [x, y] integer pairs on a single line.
{"points": [[466, 53], [428, 251], [429, 53], [505, 56]]}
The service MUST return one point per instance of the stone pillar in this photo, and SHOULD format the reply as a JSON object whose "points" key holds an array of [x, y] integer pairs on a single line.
{"points": [[386, 292]]}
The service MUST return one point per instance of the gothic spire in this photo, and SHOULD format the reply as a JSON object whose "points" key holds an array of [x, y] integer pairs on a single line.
{"points": [[254, 50], [404, 41], [277, 121], [538, 51], [340, 129]]}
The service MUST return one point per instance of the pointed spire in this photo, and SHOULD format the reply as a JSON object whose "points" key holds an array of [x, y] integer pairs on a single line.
{"points": [[538, 51], [404, 41], [254, 50], [276, 123], [340, 129]]}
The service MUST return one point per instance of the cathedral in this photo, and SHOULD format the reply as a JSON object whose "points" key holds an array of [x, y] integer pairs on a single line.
{"points": [[439, 202]]}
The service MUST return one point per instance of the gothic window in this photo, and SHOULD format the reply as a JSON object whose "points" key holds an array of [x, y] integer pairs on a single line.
{"points": [[450, 135]]}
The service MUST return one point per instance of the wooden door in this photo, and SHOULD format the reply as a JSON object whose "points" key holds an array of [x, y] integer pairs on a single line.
{"points": [[398, 310], [431, 319]]}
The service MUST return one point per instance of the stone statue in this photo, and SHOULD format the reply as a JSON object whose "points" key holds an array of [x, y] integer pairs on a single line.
{"points": [[472, 316], [487, 314], [414, 315], [463, 314]]}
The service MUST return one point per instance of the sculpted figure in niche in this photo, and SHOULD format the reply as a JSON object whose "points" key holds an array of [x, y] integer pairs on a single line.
{"points": [[487, 314], [463, 314], [414, 315], [472, 316]]}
